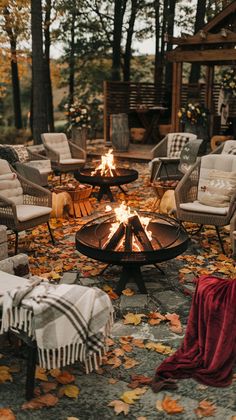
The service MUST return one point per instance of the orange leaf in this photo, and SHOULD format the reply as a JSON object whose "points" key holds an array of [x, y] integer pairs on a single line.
{"points": [[40, 373], [115, 361], [119, 407], [138, 343], [48, 386], [113, 295], [171, 406], [65, 378], [154, 321], [128, 292], [127, 347], [130, 363], [205, 409], [112, 381], [46, 400], [119, 352], [109, 342], [7, 414], [156, 315], [131, 318]]}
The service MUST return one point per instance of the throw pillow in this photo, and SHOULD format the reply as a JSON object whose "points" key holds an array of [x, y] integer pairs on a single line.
{"points": [[22, 152], [177, 145], [218, 189]]}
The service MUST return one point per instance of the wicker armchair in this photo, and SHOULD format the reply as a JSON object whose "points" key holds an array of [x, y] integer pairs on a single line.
{"points": [[23, 205], [65, 156], [228, 146], [29, 164], [190, 188], [166, 157]]}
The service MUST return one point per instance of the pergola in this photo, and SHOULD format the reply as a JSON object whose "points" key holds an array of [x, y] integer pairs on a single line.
{"points": [[214, 44]]}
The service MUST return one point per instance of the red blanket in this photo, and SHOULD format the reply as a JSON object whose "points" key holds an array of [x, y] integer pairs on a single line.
{"points": [[208, 352]]}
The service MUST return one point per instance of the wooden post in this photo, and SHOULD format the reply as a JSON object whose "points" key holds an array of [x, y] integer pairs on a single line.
{"points": [[105, 116], [209, 95], [176, 95]]}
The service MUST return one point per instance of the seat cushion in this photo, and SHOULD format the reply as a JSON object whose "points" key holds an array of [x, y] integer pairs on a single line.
{"points": [[195, 206], [59, 143], [177, 143], [229, 147], [71, 161], [27, 212]]}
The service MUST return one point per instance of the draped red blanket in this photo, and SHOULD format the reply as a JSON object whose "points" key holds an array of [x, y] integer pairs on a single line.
{"points": [[208, 352]]}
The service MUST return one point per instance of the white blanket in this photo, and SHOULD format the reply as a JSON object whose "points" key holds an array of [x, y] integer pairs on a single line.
{"points": [[68, 322]]}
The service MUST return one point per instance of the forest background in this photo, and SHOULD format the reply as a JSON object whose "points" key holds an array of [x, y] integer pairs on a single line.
{"points": [[98, 40]]}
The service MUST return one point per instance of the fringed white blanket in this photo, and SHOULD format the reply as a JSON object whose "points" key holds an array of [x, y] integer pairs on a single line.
{"points": [[68, 322]]}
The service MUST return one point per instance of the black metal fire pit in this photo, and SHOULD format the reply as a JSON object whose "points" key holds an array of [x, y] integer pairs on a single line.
{"points": [[169, 239], [122, 176]]}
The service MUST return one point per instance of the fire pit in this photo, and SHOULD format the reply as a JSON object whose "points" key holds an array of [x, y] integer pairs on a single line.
{"points": [[106, 175], [132, 240]]}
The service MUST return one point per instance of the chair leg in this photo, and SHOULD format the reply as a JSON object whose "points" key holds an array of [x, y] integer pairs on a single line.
{"points": [[16, 241], [220, 240], [50, 231], [30, 374]]}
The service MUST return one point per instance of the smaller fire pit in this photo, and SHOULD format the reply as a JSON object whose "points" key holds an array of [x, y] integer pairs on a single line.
{"points": [[106, 175], [132, 240]]}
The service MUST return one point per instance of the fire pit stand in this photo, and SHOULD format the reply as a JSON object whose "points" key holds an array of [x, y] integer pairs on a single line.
{"points": [[169, 239], [121, 176]]}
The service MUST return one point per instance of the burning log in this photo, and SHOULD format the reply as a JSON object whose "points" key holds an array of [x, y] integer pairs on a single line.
{"points": [[140, 233], [115, 239], [128, 237]]}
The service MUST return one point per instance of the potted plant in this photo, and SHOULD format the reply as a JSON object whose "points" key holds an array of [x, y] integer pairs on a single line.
{"points": [[78, 122]]}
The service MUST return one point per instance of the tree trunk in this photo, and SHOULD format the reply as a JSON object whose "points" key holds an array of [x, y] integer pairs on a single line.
{"points": [[170, 32], [72, 56], [158, 75], [127, 55], [14, 70], [15, 86], [199, 23], [47, 73], [117, 34], [39, 103]]}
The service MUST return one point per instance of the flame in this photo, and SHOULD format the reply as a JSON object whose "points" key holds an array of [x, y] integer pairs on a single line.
{"points": [[123, 213], [106, 166]]}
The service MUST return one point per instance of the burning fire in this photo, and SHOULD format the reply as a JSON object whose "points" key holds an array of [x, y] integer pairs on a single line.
{"points": [[124, 216], [107, 166]]}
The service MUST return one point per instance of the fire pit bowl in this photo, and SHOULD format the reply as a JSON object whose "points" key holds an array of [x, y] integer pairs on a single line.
{"points": [[169, 239], [122, 176]]}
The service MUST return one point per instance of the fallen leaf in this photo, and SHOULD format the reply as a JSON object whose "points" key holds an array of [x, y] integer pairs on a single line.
{"points": [[130, 363], [55, 372], [48, 386], [125, 339], [131, 318], [175, 324], [113, 295], [141, 379], [171, 406], [128, 292], [156, 315], [158, 347], [119, 352], [5, 374], [114, 361], [65, 377], [72, 418], [109, 342], [40, 373], [138, 343], [112, 381], [159, 405], [205, 409], [119, 407], [71, 391], [46, 400], [129, 397], [141, 418], [7, 414], [154, 321], [127, 347]]}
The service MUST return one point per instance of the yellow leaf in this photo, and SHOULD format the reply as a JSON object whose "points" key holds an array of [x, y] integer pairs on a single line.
{"points": [[129, 397], [130, 363], [131, 318], [106, 288], [5, 374], [159, 405], [71, 391], [40, 373], [158, 347], [119, 407], [128, 292]]}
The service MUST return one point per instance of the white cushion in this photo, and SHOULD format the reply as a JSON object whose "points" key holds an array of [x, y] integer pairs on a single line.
{"points": [[27, 212], [229, 147], [220, 187], [220, 162], [59, 143], [201, 208], [69, 161], [10, 186]]}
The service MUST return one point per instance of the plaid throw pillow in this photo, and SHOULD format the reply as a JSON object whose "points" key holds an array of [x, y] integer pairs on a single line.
{"points": [[22, 152], [177, 145]]}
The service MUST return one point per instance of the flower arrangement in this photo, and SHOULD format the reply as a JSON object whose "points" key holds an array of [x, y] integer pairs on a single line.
{"points": [[228, 81], [77, 115], [194, 113]]}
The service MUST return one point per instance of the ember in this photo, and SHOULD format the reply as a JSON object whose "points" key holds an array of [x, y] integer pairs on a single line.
{"points": [[107, 166]]}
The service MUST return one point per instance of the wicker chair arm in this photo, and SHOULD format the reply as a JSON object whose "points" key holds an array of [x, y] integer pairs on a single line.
{"points": [[76, 151], [7, 209], [52, 154], [28, 172], [35, 194], [35, 155], [187, 187], [218, 150], [160, 149], [232, 205]]}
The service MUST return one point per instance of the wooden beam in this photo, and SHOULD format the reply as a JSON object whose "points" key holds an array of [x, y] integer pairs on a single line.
{"points": [[209, 96], [210, 39], [176, 96], [231, 8], [202, 56]]}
